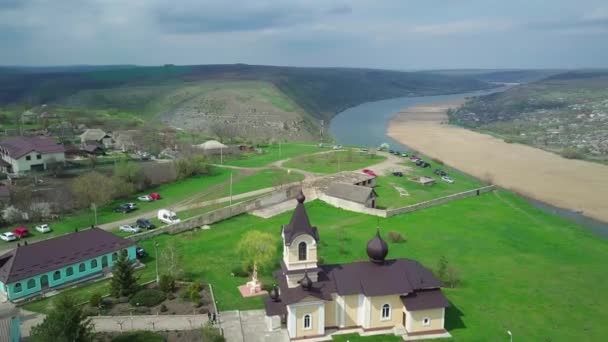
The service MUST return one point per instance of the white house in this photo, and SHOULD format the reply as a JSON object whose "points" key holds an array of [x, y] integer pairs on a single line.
{"points": [[96, 135], [22, 153]]}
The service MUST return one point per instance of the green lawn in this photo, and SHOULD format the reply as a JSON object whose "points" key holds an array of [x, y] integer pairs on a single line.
{"points": [[272, 153], [522, 269], [388, 196], [333, 162]]}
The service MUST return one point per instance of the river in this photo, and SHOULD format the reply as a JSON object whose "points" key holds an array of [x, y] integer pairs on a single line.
{"points": [[366, 125]]}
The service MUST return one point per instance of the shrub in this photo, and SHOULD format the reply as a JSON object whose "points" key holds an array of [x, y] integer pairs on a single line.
{"points": [[452, 277], [396, 237], [90, 311], [148, 297], [571, 153], [163, 308], [212, 334], [123, 299], [166, 283], [95, 300], [139, 336], [320, 260]]}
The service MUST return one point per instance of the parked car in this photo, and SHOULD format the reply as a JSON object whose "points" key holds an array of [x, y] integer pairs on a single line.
{"points": [[440, 172], [425, 164], [419, 162], [404, 154], [144, 223], [8, 236], [370, 172], [129, 228], [155, 196], [398, 173], [145, 198], [125, 208], [414, 158], [447, 179], [337, 147], [363, 150], [391, 151], [140, 253], [21, 232], [167, 216], [43, 228]]}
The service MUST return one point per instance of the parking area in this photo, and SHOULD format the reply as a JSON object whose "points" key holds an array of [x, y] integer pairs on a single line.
{"points": [[249, 326]]}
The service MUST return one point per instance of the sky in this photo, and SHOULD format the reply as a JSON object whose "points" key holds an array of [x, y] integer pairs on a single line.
{"points": [[388, 34]]}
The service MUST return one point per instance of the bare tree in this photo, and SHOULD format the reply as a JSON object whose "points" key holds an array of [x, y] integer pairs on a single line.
{"points": [[171, 259], [223, 131]]}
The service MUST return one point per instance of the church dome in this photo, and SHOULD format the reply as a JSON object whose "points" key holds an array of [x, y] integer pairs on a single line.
{"points": [[306, 282], [274, 294], [377, 249]]}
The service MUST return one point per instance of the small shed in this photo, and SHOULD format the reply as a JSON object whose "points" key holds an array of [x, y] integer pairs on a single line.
{"points": [[424, 180], [363, 195]]}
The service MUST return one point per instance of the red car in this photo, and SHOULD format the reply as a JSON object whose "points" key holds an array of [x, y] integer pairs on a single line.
{"points": [[370, 172], [155, 196], [21, 232]]}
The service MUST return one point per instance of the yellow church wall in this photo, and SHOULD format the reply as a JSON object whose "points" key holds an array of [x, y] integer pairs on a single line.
{"points": [[330, 313], [313, 311], [396, 313], [417, 317], [292, 255], [351, 305]]}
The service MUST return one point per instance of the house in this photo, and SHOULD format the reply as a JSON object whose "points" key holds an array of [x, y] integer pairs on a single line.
{"points": [[126, 140], [23, 153], [96, 135], [93, 148], [378, 296], [33, 269], [359, 194], [10, 322], [214, 147]]}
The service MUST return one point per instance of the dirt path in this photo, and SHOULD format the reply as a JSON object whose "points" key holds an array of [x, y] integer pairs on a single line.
{"points": [[572, 184]]}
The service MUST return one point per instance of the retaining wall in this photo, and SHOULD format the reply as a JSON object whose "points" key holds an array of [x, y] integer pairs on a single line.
{"points": [[440, 200], [211, 217], [350, 205]]}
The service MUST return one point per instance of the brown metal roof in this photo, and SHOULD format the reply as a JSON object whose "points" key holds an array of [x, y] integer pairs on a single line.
{"points": [[426, 299], [48, 255], [349, 192], [299, 224], [17, 147]]}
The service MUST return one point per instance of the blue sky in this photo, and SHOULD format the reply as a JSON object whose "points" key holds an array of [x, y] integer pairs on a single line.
{"points": [[392, 34]]}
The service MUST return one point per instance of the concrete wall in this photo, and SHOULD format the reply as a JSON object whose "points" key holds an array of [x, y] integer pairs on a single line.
{"points": [[351, 308], [437, 201], [330, 312], [70, 273], [350, 206], [313, 311], [221, 214]]}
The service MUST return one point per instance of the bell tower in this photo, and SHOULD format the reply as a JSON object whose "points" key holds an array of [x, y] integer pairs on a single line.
{"points": [[299, 246]]}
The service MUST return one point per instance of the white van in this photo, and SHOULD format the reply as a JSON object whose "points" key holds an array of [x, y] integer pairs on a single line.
{"points": [[168, 216]]}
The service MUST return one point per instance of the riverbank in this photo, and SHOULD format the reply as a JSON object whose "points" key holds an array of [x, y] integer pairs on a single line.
{"points": [[572, 184]]}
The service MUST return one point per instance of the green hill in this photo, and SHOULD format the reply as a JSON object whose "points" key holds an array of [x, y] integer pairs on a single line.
{"points": [[280, 101]]}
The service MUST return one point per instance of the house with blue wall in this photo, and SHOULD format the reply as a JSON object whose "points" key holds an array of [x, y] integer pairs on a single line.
{"points": [[33, 269]]}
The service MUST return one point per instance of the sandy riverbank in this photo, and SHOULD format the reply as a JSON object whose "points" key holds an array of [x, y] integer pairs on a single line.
{"points": [[545, 176]]}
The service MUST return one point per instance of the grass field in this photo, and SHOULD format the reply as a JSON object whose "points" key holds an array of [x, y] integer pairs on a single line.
{"points": [[272, 153], [333, 162], [521, 269], [388, 196]]}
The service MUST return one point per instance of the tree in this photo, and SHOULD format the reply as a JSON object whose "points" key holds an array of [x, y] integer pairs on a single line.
{"points": [[258, 249], [65, 323], [452, 277], [92, 187], [130, 172], [40, 210], [166, 283], [172, 260], [123, 283], [11, 214], [442, 268]]}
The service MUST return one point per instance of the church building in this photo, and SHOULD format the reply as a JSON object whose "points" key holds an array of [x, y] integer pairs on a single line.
{"points": [[379, 296]]}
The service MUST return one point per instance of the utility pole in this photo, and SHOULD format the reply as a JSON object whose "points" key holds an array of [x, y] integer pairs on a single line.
{"points": [[156, 257], [322, 129], [94, 207], [221, 156]]}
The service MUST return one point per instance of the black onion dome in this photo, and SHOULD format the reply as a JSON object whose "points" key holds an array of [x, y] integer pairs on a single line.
{"points": [[306, 282], [274, 293], [301, 198], [377, 249]]}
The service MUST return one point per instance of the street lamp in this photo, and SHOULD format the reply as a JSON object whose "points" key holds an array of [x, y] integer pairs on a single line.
{"points": [[510, 335], [156, 257]]}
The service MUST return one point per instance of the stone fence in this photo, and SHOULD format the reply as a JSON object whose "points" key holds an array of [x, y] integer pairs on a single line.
{"points": [[278, 196], [148, 322], [359, 208], [440, 200]]}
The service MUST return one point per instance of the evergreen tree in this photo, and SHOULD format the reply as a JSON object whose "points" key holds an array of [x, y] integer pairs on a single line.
{"points": [[65, 323], [123, 282]]}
